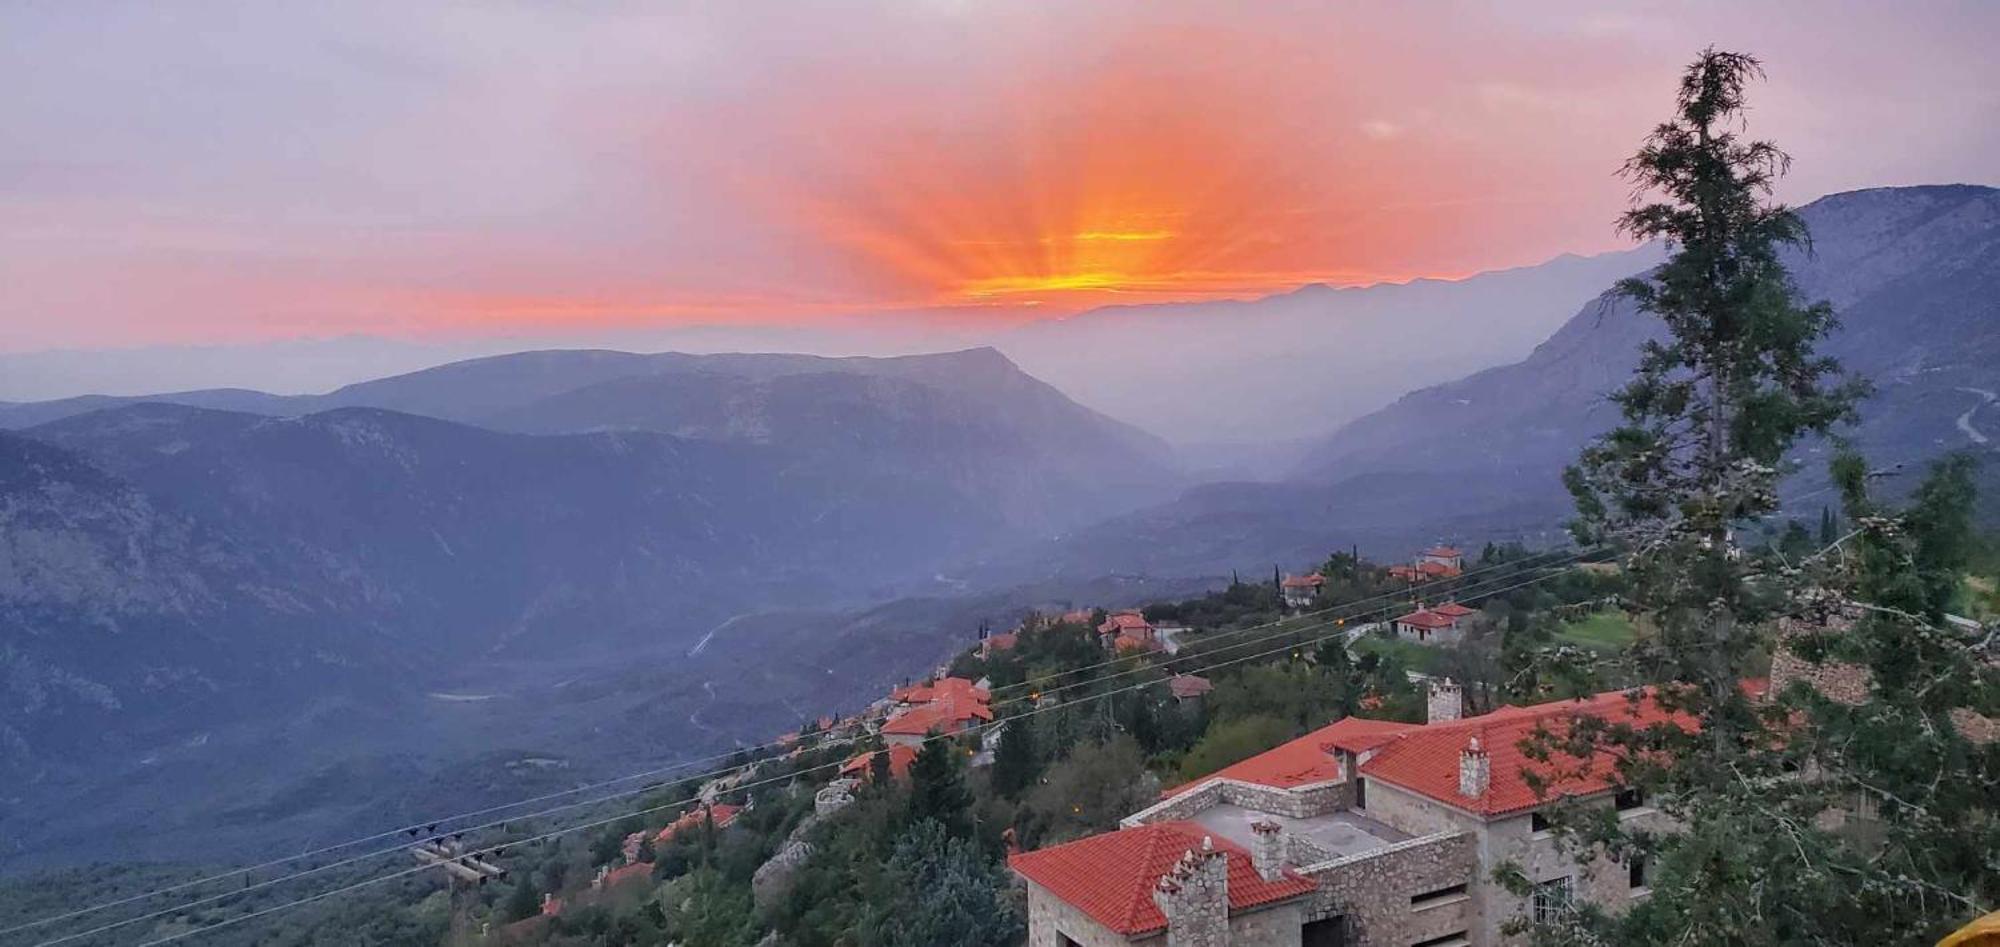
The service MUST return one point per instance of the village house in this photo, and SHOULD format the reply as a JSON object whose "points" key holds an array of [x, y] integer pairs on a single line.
{"points": [[1364, 832], [947, 705], [861, 765], [1446, 556], [1188, 688], [1299, 591], [1128, 631], [1437, 624]]}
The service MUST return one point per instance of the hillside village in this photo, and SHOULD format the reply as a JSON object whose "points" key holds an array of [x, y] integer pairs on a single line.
{"points": [[1326, 786], [1343, 756]]}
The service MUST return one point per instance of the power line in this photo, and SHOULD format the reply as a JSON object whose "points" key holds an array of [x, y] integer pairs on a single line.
{"points": [[676, 804], [429, 826]]}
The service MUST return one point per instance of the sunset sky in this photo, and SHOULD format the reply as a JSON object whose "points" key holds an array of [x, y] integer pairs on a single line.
{"points": [[209, 172]]}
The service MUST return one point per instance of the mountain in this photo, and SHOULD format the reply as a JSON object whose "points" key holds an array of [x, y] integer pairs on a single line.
{"points": [[1913, 273], [185, 592], [1297, 365]]}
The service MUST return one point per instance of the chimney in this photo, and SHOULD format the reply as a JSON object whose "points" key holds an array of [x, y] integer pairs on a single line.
{"points": [[1268, 849], [1447, 700], [1194, 896], [1475, 770]]}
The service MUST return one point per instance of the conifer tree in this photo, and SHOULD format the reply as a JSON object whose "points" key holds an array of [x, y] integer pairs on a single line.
{"points": [[1015, 763], [1718, 399], [1804, 820], [937, 788]]}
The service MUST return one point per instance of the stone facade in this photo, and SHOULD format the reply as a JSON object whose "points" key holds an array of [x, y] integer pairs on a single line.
{"points": [[1050, 919], [1380, 895], [1194, 897], [1512, 839], [1298, 802]]}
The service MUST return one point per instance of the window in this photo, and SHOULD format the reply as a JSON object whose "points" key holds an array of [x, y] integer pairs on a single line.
{"points": [[1538, 822], [1550, 900], [1635, 872], [1628, 799], [1331, 932], [1434, 898], [1448, 940], [1360, 791]]}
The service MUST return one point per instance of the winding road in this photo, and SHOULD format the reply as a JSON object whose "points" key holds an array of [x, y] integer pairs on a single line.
{"points": [[1965, 420]]}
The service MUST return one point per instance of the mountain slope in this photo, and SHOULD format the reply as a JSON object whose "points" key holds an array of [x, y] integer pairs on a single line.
{"points": [[1300, 364], [1914, 274], [189, 595]]}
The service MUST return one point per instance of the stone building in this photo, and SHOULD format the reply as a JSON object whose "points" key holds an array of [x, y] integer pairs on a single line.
{"points": [[1380, 833], [1300, 590]]}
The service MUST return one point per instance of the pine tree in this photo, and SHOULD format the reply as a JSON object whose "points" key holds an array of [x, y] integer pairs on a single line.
{"points": [[1806, 821], [1717, 402], [937, 788], [1015, 764], [1829, 530], [939, 890]]}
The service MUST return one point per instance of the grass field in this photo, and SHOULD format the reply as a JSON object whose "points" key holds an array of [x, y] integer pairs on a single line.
{"points": [[1414, 656], [1603, 631]]}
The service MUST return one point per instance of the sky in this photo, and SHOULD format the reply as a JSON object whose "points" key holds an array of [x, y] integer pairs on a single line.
{"points": [[217, 173]]}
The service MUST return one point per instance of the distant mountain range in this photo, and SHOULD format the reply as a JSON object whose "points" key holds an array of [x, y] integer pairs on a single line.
{"points": [[236, 618], [1913, 272], [181, 585], [1217, 376]]}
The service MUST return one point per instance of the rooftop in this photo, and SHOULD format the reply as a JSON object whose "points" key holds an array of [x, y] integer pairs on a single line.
{"points": [[1339, 834], [1111, 876]]}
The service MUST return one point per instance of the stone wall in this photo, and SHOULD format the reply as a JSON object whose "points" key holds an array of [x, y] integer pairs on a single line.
{"points": [[1372, 890], [1050, 918], [1600, 880], [1299, 802]]}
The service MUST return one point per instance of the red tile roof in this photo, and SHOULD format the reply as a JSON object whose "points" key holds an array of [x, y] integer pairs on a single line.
{"points": [[723, 813], [1425, 759], [1079, 617], [1443, 552], [1002, 642], [1452, 610], [900, 758], [1110, 877], [1308, 759], [1189, 685], [944, 716], [1425, 618], [625, 873], [1124, 622], [1311, 580], [944, 688], [1438, 570]]}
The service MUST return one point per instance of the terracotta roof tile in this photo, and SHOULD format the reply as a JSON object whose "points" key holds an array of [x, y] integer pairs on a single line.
{"points": [[1110, 877], [1425, 759]]}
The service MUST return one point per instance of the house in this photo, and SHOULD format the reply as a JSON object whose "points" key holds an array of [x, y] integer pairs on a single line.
{"points": [[860, 765], [1364, 832], [1001, 642], [1446, 556], [1424, 570], [1188, 687], [1080, 616], [1128, 631], [1300, 590], [1432, 626], [947, 705], [722, 813]]}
